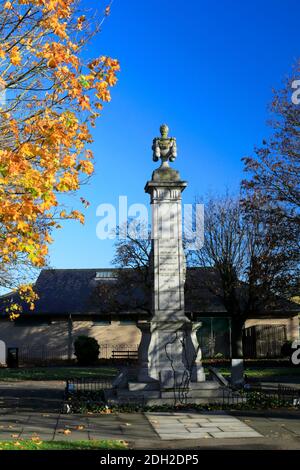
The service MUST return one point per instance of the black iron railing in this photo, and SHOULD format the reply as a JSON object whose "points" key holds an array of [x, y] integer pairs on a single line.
{"points": [[259, 397], [86, 385]]}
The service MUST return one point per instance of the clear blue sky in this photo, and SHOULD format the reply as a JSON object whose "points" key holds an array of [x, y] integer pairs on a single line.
{"points": [[207, 69]]}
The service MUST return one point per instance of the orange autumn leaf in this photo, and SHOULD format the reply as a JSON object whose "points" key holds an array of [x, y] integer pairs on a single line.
{"points": [[15, 56], [86, 167]]}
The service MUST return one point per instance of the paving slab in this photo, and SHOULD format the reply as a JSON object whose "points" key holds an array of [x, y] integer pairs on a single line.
{"points": [[235, 434], [167, 437], [224, 426], [201, 430]]}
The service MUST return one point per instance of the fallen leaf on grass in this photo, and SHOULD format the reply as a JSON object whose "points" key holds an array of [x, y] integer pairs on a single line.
{"points": [[125, 443], [64, 431]]}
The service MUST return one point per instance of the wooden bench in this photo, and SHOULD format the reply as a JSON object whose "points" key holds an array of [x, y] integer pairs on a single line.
{"points": [[124, 355]]}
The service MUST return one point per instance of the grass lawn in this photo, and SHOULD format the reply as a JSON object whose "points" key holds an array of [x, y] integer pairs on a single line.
{"points": [[61, 445], [55, 373], [63, 373], [256, 372]]}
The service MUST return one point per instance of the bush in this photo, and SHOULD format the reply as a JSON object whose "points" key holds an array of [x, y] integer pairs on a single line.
{"points": [[286, 349], [86, 350]]}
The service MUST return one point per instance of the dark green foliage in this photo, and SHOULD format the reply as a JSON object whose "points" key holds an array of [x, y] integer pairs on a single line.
{"points": [[86, 350], [286, 349], [94, 402]]}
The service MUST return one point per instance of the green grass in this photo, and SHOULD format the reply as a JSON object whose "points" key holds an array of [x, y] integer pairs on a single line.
{"points": [[256, 372], [61, 445], [63, 373], [55, 373]]}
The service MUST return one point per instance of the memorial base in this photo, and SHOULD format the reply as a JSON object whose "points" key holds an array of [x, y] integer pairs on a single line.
{"points": [[153, 394]]}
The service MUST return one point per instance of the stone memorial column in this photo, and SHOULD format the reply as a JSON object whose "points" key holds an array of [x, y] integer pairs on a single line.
{"points": [[2, 353], [171, 353]]}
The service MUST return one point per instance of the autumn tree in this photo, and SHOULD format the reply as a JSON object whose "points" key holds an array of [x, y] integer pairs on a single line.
{"points": [[274, 170], [50, 99], [272, 190]]}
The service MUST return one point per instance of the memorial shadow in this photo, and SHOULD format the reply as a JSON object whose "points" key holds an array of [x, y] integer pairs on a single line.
{"points": [[31, 398], [274, 414]]}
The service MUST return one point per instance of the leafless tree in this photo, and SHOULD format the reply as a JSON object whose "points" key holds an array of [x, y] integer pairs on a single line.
{"points": [[253, 259]]}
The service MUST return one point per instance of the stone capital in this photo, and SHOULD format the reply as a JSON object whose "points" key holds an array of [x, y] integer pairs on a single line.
{"points": [[151, 185]]}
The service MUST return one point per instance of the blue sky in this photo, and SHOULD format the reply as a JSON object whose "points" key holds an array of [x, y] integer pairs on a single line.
{"points": [[207, 69]]}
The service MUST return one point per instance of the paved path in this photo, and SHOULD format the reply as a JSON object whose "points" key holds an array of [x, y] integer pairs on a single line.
{"points": [[32, 408], [265, 430]]}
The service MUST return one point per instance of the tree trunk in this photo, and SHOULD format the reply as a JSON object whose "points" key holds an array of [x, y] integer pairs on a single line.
{"points": [[237, 363], [237, 337], [70, 337]]}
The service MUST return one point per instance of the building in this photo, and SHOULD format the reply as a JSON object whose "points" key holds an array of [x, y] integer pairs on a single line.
{"points": [[91, 302]]}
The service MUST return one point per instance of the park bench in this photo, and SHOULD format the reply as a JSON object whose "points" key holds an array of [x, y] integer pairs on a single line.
{"points": [[124, 355]]}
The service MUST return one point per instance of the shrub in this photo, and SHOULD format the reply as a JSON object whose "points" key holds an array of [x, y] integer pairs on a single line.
{"points": [[286, 349], [86, 350]]}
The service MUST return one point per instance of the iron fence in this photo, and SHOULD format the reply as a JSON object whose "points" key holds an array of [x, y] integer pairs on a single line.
{"points": [[259, 397], [42, 354], [87, 385]]}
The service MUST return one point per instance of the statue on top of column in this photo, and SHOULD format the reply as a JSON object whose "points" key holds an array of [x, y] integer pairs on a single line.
{"points": [[164, 147]]}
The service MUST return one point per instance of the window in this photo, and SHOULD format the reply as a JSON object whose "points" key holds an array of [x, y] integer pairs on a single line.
{"points": [[127, 322], [214, 336], [100, 275], [101, 322]]}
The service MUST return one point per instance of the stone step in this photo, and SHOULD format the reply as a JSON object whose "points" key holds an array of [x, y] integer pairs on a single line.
{"points": [[207, 385], [141, 386], [138, 394], [195, 394]]}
